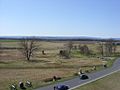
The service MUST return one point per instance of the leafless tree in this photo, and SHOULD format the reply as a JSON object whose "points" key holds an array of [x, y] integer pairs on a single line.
{"points": [[84, 50], [100, 48], [109, 47], [114, 48], [28, 47], [79, 46], [69, 46]]}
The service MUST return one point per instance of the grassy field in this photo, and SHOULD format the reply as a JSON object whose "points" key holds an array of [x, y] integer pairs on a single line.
{"points": [[14, 59], [14, 68], [111, 82], [37, 76]]}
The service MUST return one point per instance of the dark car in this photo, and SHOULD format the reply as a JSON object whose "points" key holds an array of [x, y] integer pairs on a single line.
{"points": [[61, 87], [84, 76]]}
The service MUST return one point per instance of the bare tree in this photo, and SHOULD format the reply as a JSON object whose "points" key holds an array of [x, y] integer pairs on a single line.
{"points": [[79, 46], [69, 46], [109, 47], [84, 50], [28, 47], [114, 48], [101, 48]]}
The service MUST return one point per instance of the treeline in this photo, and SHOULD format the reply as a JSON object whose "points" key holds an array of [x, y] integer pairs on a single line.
{"points": [[2, 48], [57, 39]]}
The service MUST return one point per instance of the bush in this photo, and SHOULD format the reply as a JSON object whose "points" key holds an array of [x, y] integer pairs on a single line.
{"points": [[48, 80], [52, 79]]}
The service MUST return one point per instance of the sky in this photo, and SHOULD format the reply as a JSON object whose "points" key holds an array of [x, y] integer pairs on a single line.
{"points": [[93, 18]]}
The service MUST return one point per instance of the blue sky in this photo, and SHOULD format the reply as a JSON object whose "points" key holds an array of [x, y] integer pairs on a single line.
{"points": [[94, 18]]}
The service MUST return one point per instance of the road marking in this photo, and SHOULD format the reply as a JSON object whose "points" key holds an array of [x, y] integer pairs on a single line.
{"points": [[94, 79]]}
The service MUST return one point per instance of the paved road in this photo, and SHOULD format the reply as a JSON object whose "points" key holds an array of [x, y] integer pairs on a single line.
{"points": [[73, 83]]}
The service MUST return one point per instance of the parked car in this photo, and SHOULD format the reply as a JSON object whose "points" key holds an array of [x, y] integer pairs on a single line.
{"points": [[84, 76], [61, 87]]}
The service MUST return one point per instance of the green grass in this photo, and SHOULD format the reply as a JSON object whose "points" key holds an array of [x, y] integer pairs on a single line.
{"points": [[9, 40], [110, 62], [111, 82]]}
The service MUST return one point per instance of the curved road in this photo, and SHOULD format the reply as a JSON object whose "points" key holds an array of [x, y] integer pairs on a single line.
{"points": [[76, 82]]}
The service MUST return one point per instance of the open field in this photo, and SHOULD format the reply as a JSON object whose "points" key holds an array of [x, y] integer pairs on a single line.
{"points": [[10, 76], [111, 82], [12, 58], [14, 67]]}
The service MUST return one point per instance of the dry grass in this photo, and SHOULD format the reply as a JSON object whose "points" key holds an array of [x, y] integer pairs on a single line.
{"points": [[13, 58], [50, 62], [9, 76], [16, 68]]}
